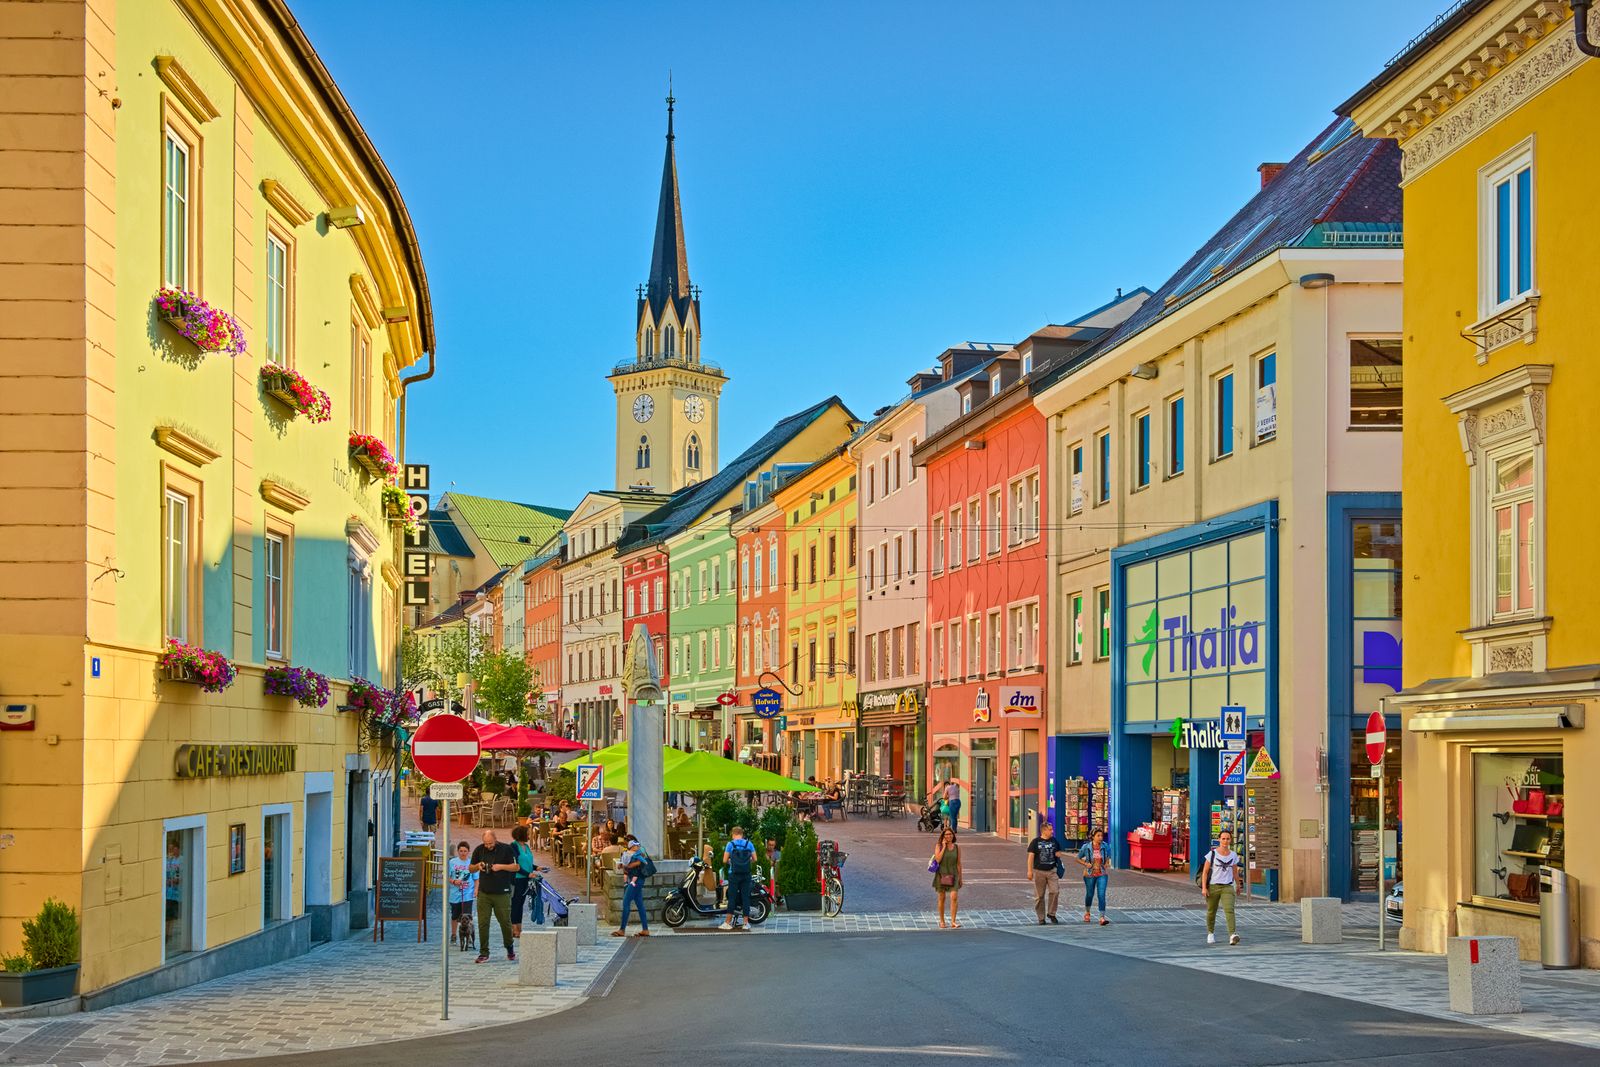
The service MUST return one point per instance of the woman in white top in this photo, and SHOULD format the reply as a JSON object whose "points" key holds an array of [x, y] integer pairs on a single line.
{"points": [[1217, 879]]}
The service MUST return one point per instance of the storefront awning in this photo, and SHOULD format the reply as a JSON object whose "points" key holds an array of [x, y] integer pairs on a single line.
{"points": [[1434, 720]]}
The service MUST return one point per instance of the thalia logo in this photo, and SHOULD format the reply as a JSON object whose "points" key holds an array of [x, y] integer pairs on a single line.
{"points": [[1230, 643], [1186, 734]]}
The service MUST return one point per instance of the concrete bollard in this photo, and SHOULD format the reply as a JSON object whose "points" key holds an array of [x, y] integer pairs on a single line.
{"points": [[584, 918], [566, 944], [1485, 975], [1321, 921], [536, 959]]}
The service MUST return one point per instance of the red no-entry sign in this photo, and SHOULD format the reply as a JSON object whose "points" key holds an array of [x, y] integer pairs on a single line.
{"points": [[1377, 736], [445, 748]]}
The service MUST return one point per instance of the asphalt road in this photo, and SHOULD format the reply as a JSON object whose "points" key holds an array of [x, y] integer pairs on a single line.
{"points": [[928, 998]]}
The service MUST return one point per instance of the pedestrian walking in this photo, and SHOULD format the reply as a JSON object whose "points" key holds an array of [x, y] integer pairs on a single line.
{"points": [[948, 796], [1095, 859], [946, 870], [632, 863], [428, 810], [1044, 871], [495, 863], [1217, 879], [525, 882], [739, 855]]}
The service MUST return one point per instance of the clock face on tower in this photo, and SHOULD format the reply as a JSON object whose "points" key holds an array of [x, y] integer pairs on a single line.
{"points": [[643, 408], [694, 408]]}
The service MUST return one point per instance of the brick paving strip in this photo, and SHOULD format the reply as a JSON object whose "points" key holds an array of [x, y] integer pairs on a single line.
{"points": [[351, 993]]}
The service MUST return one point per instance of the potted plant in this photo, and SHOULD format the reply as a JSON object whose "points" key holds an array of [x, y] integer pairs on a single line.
{"points": [[368, 700], [397, 507], [524, 808], [797, 870], [209, 329], [290, 388], [373, 456], [211, 671], [47, 968], [301, 684]]}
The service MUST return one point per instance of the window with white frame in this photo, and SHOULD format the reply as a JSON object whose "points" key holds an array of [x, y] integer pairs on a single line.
{"points": [[955, 537], [913, 565], [1141, 450], [1018, 510], [360, 622], [178, 173], [1077, 479], [278, 278], [938, 544], [996, 644], [1266, 376], [997, 521], [1030, 525], [274, 557], [910, 450], [760, 642], [1515, 533], [1222, 415], [1506, 229], [716, 649], [974, 530], [913, 647], [938, 653], [974, 646], [179, 573], [1102, 448], [955, 649], [1075, 634], [1174, 431]]}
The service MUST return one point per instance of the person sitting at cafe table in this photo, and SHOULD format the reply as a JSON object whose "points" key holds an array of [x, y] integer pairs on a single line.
{"points": [[681, 819]]}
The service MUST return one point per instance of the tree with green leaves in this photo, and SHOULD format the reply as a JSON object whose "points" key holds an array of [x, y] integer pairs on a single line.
{"points": [[504, 685]]}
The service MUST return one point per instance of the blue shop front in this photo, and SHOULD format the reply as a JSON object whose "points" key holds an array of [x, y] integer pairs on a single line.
{"points": [[1195, 630]]}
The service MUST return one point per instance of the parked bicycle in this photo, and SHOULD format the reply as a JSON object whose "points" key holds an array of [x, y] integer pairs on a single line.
{"points": [[830, 872]]}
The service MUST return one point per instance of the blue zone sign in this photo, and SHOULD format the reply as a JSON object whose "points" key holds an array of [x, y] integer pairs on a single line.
{"points": [[766, 703]]}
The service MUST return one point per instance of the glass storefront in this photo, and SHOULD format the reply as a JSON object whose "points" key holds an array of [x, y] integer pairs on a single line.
{"points": [[1022, 780], [1364, 817], [1519, 823], [985, 782], [1375, 601], [274, 869]]}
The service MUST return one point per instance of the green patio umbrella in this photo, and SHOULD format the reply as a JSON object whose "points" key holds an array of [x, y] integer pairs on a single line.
{"points": [[706, 772]]}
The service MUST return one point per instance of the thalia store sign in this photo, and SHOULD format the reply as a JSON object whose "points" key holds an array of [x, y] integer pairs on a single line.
{"points": [[1230, 643]]}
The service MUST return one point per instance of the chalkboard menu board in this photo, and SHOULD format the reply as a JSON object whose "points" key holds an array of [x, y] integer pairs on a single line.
{"points": [[402, 892]]}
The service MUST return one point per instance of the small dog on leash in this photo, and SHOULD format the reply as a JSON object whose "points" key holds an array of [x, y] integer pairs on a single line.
{"points": [[466, 939]]}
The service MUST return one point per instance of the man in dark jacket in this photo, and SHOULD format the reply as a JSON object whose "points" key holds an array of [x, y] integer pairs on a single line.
{"points": [[496, 865]]}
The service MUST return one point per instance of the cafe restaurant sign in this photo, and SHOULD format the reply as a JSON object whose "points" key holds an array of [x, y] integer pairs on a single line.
{"points": [[233, 761]]}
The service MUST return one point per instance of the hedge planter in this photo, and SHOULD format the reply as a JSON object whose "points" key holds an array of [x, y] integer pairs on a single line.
{"points": [[23, 988]]}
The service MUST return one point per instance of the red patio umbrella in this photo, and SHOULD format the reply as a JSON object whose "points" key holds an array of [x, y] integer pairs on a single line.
{"points": [[525, 739], [487, 731]]}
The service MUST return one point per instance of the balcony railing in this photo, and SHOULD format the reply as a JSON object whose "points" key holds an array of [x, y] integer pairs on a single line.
{"points": [[629, 366]]}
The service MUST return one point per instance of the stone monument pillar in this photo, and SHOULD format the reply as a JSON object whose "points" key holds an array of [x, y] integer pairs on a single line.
{"points": [[641, 685]]}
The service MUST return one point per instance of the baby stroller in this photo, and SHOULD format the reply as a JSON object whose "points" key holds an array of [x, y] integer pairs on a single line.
{"points": [[554, 905], [931, 818]]}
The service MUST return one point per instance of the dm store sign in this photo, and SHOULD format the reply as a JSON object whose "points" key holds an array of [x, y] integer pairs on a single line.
{"points": [[1196, 627]]}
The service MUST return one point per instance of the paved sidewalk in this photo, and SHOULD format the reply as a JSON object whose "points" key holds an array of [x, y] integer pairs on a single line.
{"points": [[339, 995], [1557, 1005]]}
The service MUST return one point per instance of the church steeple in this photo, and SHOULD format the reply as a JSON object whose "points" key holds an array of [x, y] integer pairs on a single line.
{"points": [[669, 257]]}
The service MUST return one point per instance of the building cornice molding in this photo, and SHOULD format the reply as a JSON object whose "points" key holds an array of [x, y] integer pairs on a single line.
{"points": [[185, 88], [366, 303], [280, 495], [361, 535], [291, 210], [1492, 68], [185, 445]]}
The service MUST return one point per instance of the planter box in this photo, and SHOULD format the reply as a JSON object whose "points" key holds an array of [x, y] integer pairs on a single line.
{"points": [[367, 462], [179, 674], [37, 987], [277, 387], [803, 901]]}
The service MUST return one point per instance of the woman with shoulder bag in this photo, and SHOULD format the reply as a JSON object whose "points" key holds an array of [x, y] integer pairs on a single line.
{"points": [[946, 870]]}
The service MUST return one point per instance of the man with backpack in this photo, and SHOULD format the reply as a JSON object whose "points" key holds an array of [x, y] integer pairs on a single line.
{"points": [[636, 866], [739, 856]]}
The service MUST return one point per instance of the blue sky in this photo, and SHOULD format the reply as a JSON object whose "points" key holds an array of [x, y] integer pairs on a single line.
{"points": [[864, 184]]}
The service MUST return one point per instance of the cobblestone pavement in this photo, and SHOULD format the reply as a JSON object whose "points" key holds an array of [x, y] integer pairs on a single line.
{"points": [[1557, 1006], [353, 992]]}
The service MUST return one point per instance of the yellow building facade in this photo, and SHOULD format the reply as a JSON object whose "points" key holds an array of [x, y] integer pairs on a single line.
{"points": [[819, 653], [156, 486], [1493, 109]]}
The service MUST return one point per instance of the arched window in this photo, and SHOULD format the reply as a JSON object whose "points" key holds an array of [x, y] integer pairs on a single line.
{"points": [[691, 450], [649, 342], [669, 341], [688, 344], [644, 452]]}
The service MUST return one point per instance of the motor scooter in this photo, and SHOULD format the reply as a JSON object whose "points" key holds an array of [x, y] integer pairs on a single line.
{"points": [[684, 902]]}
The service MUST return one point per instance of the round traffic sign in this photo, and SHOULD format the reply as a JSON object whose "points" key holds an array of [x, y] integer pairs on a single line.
{"points": [[1377, 736], [445, 748]]}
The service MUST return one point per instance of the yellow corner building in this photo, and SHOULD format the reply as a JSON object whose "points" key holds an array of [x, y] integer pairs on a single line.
{"points": [[819, 515], [156, 486], [1493, 108]]}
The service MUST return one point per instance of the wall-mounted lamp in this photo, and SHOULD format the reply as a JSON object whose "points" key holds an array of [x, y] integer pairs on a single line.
{"points": [[974, 446], [816, 496], [885, 436], [1146, 371], [344, 217], [1315, 281], [397, 314]]}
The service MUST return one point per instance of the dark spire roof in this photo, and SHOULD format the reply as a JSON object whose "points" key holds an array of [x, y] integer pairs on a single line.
{"points": [[669, 258]]}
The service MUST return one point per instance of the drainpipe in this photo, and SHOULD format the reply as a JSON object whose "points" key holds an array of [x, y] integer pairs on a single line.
{"points": [[400, 615], [1580, 27]]}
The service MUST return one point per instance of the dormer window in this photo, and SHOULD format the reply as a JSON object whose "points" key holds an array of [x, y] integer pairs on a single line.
{"points": [[966, 403], [994, 383], [691, 450]]}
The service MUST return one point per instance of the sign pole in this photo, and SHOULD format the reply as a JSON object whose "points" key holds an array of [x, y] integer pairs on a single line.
{"points": [[1244, 834], [444, 915], [1383, 918], [588, 876]]}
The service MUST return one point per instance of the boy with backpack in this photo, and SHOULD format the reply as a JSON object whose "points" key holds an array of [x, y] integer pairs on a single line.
{"points": [[739, 856]]}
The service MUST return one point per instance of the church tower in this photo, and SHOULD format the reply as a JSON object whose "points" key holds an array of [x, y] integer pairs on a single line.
{"points": [[667, 395]]}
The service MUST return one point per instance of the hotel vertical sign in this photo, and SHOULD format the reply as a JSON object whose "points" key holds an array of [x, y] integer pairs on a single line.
{"points": [[415, 559]]}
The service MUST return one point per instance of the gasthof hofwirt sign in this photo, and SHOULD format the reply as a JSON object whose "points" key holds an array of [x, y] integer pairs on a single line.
{"points": [[233, 761]]}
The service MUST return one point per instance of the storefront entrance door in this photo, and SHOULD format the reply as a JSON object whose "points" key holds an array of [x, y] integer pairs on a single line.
{"points": [[983, 793]]}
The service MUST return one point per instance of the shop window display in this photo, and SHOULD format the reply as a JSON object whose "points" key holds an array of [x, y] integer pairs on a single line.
{"points": [[180, 876], [1519, 823]]}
